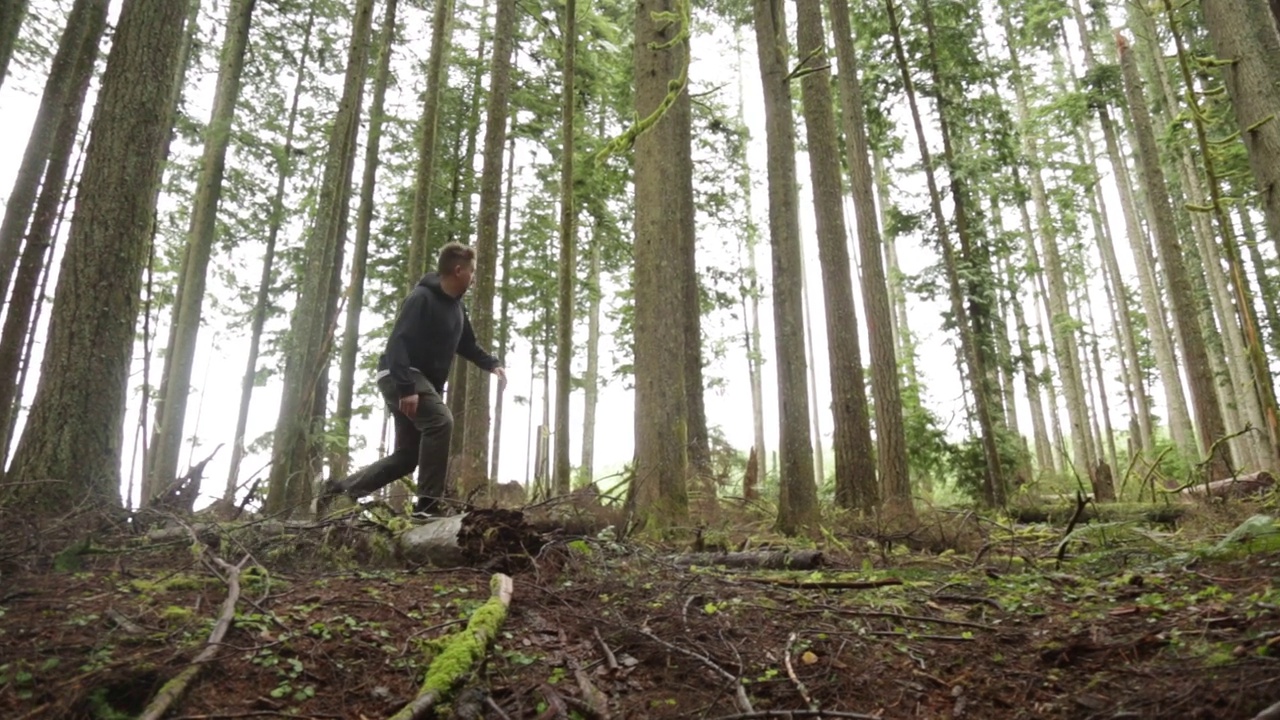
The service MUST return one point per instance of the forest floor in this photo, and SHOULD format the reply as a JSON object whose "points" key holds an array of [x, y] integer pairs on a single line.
{"points": [[1131, 622]]}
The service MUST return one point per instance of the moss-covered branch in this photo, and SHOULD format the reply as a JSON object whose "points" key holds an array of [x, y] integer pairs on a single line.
{"points": [[462, 651]]}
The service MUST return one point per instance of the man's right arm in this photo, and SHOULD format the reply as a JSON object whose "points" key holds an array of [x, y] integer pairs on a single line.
{"points": [[402, 337]]}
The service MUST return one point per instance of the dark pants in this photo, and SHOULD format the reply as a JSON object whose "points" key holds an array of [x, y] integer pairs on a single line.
{"points": [[422, 442]]}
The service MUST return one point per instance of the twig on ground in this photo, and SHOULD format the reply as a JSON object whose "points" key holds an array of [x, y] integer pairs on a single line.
{"points": [[798, 714], [740, 693], [971, 599], [556, 707], [592, 696], [821, 609], [1081, 502], [795, 679], [825, 584], [173, 690], [916, 636], [609, 658], [496, 708], [1271, 713]]}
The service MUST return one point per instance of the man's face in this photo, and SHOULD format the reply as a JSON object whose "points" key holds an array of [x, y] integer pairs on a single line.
{"points": [[466, 272]]}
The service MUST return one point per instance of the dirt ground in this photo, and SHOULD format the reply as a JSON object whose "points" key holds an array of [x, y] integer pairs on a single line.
{"points": [[1116, 631]]}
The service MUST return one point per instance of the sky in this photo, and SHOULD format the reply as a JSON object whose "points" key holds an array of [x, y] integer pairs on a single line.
{"points": [[222, 351]]}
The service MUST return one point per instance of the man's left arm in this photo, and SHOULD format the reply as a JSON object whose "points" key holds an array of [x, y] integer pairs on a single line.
{"points": [[468, 349]]}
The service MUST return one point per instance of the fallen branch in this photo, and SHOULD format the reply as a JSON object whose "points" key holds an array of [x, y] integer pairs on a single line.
{"points": [[462, 652], [1271, 713], [173, 690], [765, 560], [1081, 502], [610, 660], [592, 696], [825, 584], [740, 692], [884, 614], [798, 714], [795, 679]]}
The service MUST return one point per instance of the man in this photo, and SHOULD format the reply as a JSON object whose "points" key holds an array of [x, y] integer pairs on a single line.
{"points": [[431, 328]]}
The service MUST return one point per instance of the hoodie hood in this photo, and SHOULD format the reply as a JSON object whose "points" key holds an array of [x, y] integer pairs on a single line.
{"points": [[431, 281]]}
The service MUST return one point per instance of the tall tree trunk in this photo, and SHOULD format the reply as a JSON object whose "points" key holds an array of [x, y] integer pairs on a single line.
{"points": [[1266, 283], [851, 437], [1207, 415], [750, 300], [295, 441], [905, 342], [467, 163], [1246, 42], [970, 351], [360, 253], [819, 456], [171, 408], [91, 330], [591, 377], [45, 219], [691, 319], [476, 442], [798, 496], [658, 495], [1065, 349], [83, 26], [568, 252], [891, 443], [284, 171], [419, 231], [1031, 381], [1253, 82], [504, 312], [12, 13]]}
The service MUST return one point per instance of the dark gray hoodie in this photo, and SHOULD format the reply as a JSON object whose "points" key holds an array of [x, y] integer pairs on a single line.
{"points": [[431, 328]]}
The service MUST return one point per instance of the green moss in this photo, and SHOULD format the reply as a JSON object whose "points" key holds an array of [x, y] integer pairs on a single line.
{"points": [[173, 613], [169, 584], [465, 648]]}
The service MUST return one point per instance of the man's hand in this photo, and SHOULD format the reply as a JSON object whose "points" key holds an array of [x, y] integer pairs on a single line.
{"points": [[409, 405], [502, 376]]}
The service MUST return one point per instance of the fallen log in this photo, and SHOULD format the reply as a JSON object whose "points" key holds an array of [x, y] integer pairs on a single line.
{"points": [[471, 539], [462, 651], [1061, 514], [759, 559], [1243, 486]]}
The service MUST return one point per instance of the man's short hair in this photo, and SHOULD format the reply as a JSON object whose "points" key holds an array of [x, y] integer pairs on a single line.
{"points": [[452, 256]]}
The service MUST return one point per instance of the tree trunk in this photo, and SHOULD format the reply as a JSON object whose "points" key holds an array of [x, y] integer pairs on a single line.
{"points": [[1031, 381], [691, 319], [54, 194], [568, 253], [295, 440], [1065, 349], [467, 159], [1266, 283], [658, 495], [284, 171], [1208, 416], [419, 231], [12, 14], [591, 377], [504, 312], [1246, 43], [82, 26], [476, 442], [971, 352], [171, 408], [891, 444], [360, 253], [750, 300], [91, 331], [812, 387], [798, 498]]}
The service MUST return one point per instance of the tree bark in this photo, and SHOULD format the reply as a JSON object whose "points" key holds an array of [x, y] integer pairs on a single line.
{"points": [[91, 330], [360, 253], [658, 495], [568, 253], [1207, 415], [284, 171], [171, 408], [1266, 283], [12, 14], [419, 235], [591, 377], [54, 193], [82, 25], [891, 443], [691, 319], [798, 502], [295, 443], [1245, 40], [476, 442]]}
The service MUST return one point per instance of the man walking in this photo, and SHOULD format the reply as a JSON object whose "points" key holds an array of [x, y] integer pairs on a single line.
{"points": [[431, 328]]}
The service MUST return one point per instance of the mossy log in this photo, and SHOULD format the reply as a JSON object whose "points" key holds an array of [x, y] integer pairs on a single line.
{"points": [[1060, 514], [462, 651]]}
